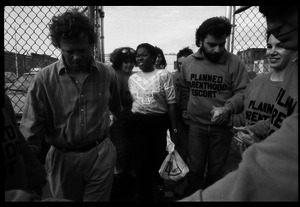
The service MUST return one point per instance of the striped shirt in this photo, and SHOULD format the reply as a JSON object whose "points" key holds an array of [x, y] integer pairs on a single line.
{"points": [[71, 114]]}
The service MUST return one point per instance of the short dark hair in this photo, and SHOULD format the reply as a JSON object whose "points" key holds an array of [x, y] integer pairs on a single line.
{"points": [[184, 52], [69, 25], [163, 62], [120, 55], [215, 26], [150, 48]]}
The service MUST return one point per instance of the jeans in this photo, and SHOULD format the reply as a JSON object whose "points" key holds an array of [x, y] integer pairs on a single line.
{"points": [[208, 151]]}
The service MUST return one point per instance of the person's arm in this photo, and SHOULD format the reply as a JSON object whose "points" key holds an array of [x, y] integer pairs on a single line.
{"points": [[184, 91], [235, 104], [256, 132], [173, 122], [238, 120], [240, 80], [34, 116], [170, 93], [35, 171], [260, 128], [268, 171], [115, 105]]}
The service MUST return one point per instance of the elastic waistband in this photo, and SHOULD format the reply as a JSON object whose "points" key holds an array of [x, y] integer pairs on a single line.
{"points": [[83, 148]]}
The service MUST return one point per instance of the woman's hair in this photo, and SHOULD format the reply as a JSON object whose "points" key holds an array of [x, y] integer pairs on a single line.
{"points": [[163, 63], [268, 34], [70, 25], [120, 55], [150, 48], [184, 52], [215, 26]]}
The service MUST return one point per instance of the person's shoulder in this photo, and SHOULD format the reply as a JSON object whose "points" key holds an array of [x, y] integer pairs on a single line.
{"points": [[135, 74], [196, 55], [233, 57], [104, 67], [164, 71], [48, 70]]}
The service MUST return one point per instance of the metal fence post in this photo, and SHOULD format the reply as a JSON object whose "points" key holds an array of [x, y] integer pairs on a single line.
{"points": [[100, 33], [228, 14]]}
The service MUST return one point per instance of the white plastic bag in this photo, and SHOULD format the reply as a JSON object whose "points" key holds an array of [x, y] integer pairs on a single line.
{"points": [[173, 167]]}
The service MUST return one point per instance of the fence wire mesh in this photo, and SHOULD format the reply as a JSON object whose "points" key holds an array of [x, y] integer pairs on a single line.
{"points": [[28, 48], [249, 40]]}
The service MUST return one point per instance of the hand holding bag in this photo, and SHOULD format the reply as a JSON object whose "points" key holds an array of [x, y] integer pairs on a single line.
{"points": [[173, 167]]}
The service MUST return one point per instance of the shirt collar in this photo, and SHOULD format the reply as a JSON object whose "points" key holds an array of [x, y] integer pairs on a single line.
{"points": [[199, 55], [63, 69]]}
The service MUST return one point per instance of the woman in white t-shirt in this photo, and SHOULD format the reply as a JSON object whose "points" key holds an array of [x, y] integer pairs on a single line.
{"points": [[152, 113]]}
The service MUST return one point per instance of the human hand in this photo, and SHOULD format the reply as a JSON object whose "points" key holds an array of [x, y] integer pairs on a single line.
{"points": [[113, 119], [185, 117], [220, 115], [245, 135]]}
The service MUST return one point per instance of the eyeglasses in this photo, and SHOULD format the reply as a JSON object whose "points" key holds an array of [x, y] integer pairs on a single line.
{"points": [[128, 50]]}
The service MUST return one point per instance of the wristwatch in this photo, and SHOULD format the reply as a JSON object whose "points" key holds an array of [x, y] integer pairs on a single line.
{"points": [[175, 130]]}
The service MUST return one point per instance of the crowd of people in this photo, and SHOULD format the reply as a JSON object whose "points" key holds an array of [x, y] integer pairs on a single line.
{"points": [[107, 125]]}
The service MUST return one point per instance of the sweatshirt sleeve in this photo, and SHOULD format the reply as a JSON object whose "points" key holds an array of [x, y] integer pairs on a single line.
{"points": [[30, 172], [240, 80], [184, 89], [268, 171], [260, 128]]}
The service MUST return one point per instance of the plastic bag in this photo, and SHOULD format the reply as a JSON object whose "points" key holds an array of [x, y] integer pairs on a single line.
{"points": [[173, 167]]}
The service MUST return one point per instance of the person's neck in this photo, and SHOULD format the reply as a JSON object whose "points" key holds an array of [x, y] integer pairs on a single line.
{"points": [[148, 70], [277, 76], [81, 71]]}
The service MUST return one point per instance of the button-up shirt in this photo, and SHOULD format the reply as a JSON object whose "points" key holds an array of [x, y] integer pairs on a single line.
{"points": [[70, 114]]}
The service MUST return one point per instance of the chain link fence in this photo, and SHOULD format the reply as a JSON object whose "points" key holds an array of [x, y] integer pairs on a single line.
{"points": [[28, 48], [249, 40]]}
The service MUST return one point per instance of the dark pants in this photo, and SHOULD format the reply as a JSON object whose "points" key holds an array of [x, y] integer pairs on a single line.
{"points": [[183, 137], [208, 150], [148, 136], [120, 138], [234, 157]]}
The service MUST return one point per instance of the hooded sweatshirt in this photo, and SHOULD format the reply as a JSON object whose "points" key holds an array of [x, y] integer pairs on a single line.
{"points": [[204, 84], [23, 171]]}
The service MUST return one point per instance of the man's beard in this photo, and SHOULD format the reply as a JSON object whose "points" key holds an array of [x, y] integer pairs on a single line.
{"points": [[210, 56]]}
